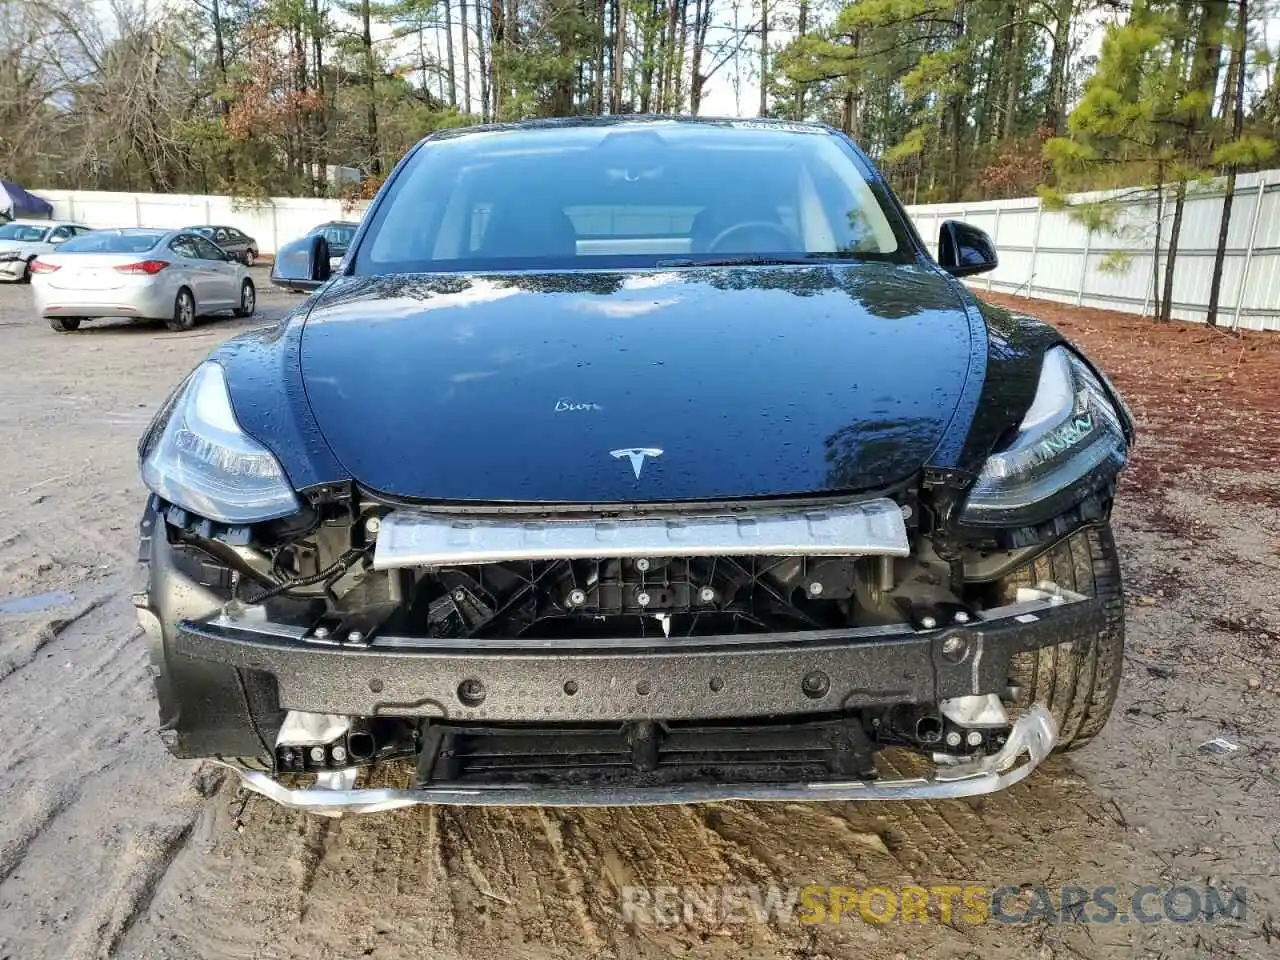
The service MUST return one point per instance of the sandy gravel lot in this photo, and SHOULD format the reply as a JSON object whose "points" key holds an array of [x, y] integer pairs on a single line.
{"points": [[110, 848]]}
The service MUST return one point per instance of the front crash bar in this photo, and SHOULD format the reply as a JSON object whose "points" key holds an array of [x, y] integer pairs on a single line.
{"points": [[1033, 734]]}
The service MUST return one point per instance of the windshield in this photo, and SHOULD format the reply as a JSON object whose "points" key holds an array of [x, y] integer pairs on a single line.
{"points": [[108, 241], [336, 234], [22, 232], [655, 194]]}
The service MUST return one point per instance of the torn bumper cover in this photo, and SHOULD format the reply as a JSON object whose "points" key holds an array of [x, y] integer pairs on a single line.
{"points": [[1033, 735]]}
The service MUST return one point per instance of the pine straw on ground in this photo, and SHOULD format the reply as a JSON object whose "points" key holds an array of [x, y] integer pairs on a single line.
{"points": [[1202, 397]]}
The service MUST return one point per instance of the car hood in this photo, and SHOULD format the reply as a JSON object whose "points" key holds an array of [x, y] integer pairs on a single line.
{"points": [[595, 387]]}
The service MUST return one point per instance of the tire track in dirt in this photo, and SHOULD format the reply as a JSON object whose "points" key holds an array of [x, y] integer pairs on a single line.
{"points": [[209, 903], [523, 871], [290, 884], [445, 920], [95, 782], [25, 649], [738, 860], [117, 907], [466, 877], [622, 851], [830, 845], [611, 856], [570, 870], [27, 819], [315, 833]]}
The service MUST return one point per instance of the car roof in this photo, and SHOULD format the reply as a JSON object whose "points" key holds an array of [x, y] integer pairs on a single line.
{"points": [[28, 222], [157, 232], [159, 235]]}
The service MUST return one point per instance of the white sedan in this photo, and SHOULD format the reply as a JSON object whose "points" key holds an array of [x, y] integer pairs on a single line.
{"points": [[169, 275], [21, 241]]}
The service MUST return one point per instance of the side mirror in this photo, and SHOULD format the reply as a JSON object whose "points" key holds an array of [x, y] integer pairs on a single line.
{"points": [[302, 264], [964, 250]]}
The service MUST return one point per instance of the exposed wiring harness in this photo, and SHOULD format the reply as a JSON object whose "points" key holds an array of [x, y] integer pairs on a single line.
{"points": [[328, 576]]}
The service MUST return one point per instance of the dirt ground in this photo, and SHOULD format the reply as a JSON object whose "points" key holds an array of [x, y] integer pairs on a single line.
{"points": [[110, 848]]}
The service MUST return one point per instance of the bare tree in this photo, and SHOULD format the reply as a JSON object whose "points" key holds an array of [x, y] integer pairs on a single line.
{"points": [[466, 59], [1237, 73], [448, 36], [764, 58]]}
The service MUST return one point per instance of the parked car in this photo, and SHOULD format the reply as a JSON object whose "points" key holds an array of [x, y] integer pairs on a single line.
{"points": [[170, 275], [635, 461], [239, 244], [21, 241], [337, 235]]}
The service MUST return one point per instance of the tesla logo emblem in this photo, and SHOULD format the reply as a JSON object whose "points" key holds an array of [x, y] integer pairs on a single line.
{"points": [[636, 455]]}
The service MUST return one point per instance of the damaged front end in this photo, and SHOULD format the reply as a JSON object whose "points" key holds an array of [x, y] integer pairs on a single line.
{"points": [[654, 655], [347, 649]]}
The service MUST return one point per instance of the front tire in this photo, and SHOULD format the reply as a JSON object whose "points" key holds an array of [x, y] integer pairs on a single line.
{"points": [[248, 300], [64, 324], [1076, 680], [250, 258], [184, 311], [26, 272]]}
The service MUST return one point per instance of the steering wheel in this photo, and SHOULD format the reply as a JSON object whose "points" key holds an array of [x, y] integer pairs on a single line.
{"points": [[790, 240]]}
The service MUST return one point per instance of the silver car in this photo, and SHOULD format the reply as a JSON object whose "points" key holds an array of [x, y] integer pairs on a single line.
{"points": [[21, 241], [169, 275]]}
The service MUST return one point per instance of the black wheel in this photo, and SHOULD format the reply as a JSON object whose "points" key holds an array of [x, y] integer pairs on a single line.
{"points": [[65, 324], [1076, 680], [184, 311], [250, 258], [248, 300], [26, 272]]}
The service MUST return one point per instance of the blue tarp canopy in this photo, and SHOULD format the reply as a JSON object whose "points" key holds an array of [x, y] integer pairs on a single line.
{"points": [[16, 202]]}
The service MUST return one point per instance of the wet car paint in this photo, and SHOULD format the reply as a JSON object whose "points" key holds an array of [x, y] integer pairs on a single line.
{"points": [[753, 382], [265, 376], [1015, 353], [270, 401]]}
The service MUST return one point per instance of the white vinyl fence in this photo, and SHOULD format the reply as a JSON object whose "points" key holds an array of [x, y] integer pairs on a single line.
{"points": [[1043, 253], [1046, 254], [271, 222]]}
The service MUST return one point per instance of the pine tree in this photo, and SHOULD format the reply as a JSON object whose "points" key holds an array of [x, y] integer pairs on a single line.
{"points": [[1145, 122]]}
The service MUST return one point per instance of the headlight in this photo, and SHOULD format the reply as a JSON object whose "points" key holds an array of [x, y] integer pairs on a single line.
{"points": [[1070, 443], [201, 460], [8, 254]]}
